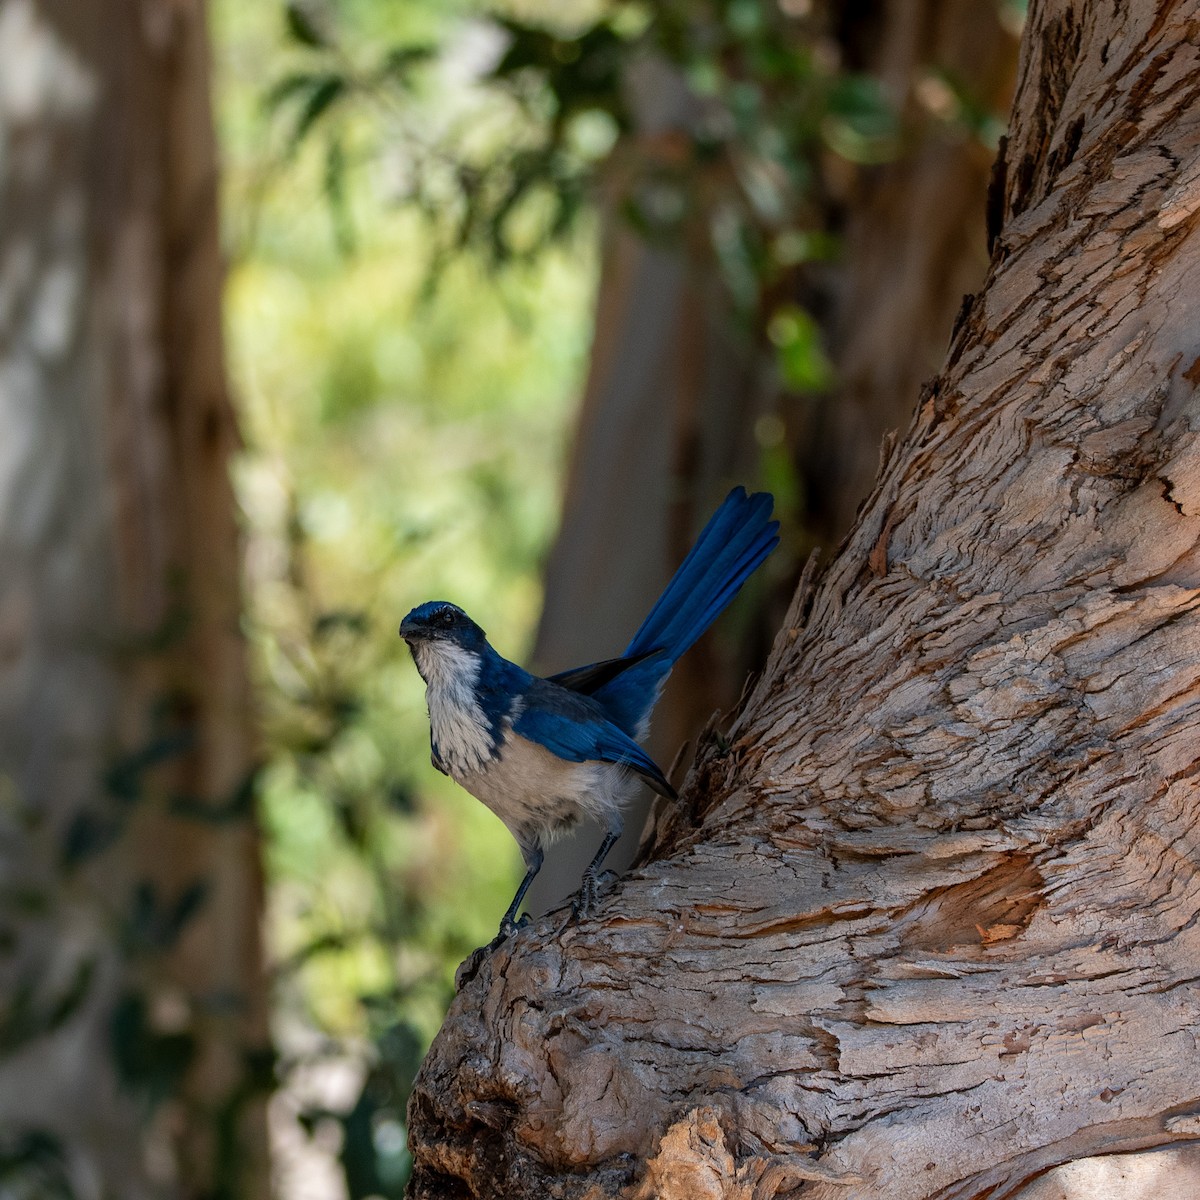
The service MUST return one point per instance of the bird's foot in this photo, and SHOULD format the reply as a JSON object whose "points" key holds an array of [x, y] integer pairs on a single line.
{"points": [[469, 967], [591, 887], [508, 927]]}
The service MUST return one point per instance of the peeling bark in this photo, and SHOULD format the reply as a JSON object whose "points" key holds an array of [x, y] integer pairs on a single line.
{"points": [[927, 922]]}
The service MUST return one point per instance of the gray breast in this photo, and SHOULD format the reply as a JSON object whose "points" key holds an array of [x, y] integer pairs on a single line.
{"points": [[534, 792]]}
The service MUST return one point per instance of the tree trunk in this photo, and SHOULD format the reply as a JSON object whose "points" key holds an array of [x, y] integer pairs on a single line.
{"points": [[914, 239], [673, 395], [926, 923], [134, 1025]]}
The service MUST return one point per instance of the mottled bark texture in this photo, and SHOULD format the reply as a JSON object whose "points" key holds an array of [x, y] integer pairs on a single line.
{"points": [[925, 922], [676, 386], [133, 1018]]}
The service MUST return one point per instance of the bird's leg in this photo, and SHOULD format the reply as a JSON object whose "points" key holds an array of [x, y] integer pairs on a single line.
{"points": [[533, 863], [469, 967], [585, 902]]}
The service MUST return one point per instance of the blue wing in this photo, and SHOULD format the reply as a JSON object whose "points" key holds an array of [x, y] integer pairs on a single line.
{"points": [[588, 680], [571, 730]]}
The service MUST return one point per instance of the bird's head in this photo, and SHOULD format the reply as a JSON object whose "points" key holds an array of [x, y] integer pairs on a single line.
{"points": [[442, 638], [441, 621]]}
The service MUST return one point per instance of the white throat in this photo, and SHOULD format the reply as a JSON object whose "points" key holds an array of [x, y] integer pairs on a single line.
{"points": [[460, 729], [446, 664]]}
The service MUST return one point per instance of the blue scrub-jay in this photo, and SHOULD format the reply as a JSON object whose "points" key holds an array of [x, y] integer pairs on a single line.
{"points": [[541, 753]]}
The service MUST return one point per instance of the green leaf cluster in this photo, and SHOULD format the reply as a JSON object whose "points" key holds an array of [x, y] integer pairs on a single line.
{"points": [[402, 443]]}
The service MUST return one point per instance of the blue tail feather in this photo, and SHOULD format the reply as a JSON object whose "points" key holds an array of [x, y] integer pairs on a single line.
{"points": [[738, 536], [691, 624], [729, 549]]}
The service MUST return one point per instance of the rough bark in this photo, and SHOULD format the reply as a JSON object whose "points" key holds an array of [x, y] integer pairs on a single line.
{"points": [[668, 419], [926, 923], [130, 854]]}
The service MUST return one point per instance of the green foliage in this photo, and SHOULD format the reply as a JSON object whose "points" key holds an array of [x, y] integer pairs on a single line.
{"points": [[802, 361], [502, 167], [402, 443]]}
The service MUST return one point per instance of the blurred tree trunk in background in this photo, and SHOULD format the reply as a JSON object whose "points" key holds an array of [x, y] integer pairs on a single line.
{"points": [[926, 924], [133, 1025], [674, 394], [914, 235]]}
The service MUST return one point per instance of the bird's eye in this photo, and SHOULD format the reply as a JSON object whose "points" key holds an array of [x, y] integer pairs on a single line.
{"points": [[446, 616]]}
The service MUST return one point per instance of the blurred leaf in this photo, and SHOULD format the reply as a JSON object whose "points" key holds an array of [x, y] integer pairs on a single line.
{"points": [[795, 247], [326, 943], [357, 1155], [745, 17], [349, 384], [33, 1166], [154, 925], [401, 1052], [583, 71], [324, 91], [344, 707], [335, 194], [802, 360], [29, 1014], [25, 901], [288, 87], [191, 900], [65, 1006], [304, 26], [353, 621], [740, 256], [354, 821], [399, 62], [88, 834], [259, 1069], [237, 806], [401, 797], [861, 124], [150, 1062], [124, 777], [777, 467]]}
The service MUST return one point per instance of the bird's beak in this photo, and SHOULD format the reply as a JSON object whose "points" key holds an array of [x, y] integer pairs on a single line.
{"points": [[409, 628]]}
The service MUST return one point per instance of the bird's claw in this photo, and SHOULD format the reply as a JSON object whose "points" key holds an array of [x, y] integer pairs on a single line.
{"points": [[508, 927], [588, 896]]}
